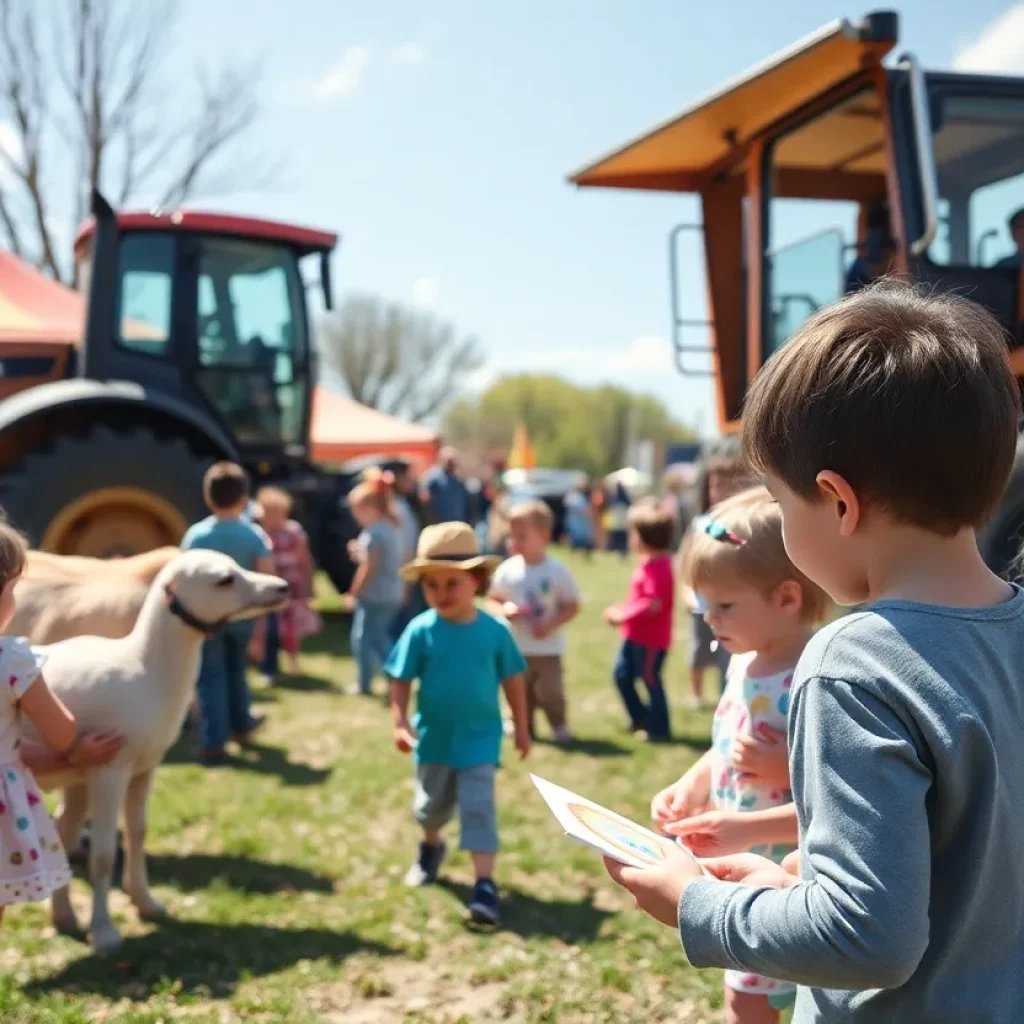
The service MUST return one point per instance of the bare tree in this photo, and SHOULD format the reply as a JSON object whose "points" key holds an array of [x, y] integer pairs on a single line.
{"points": [[400, 361], [86, 102]]}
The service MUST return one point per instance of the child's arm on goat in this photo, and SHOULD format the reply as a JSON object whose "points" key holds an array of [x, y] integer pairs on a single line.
{"points": [[94, 748], [47, 712]]}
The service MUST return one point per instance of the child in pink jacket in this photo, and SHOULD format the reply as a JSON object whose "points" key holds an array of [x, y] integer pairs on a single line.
{"points": [[645, 620]]}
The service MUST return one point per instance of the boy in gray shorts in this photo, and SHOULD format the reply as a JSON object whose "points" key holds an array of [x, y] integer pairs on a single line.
{"points": [[461, 658], [886, 429]]}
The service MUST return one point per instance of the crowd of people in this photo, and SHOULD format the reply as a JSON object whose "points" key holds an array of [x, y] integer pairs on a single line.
{"points": [[855, 815]]}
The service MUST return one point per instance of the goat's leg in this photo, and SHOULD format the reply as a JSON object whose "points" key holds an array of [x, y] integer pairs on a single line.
{"points": [[136, 882], [107, 788], [69, 826]]}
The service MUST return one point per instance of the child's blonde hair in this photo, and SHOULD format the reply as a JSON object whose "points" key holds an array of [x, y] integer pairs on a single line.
{"points": [[741, 539], [275, 497], [534, 512], [13, 552], [375, 490]]}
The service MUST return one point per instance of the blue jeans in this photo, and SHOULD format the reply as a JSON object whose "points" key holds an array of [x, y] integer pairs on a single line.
{"points": [[638, 662], [371, 639], [223, 690], [272, 647]]}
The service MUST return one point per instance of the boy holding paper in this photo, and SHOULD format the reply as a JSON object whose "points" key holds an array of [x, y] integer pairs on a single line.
{"points": [[886, 429]]}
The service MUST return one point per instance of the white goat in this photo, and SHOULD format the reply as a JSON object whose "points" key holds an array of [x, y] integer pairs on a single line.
{"points": [[61, 596], [140, 686]]}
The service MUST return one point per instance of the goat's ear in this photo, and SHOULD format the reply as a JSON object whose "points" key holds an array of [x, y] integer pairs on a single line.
{"points": [[226, 579]]}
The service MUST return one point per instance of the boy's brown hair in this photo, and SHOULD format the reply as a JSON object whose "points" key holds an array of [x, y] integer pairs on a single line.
{"points": [[653, 525], [907, 395], [534, 512], [225, 485], [741, 539], [13, 552]]}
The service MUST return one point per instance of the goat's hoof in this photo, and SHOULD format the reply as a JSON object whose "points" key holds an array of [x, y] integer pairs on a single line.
{"points": [[68, 925], [152, 910], [105, 940]]}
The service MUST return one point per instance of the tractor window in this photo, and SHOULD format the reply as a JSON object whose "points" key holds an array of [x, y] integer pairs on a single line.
{"points": [[979, 162], [252, 339], [146, 275], [828, 224]]}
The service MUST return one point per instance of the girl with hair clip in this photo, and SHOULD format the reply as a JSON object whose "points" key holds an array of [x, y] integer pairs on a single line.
{"points": [[377, 588]]}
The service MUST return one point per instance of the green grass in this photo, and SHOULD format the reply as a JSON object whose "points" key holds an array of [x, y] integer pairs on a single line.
{"points": [[283, 875]]}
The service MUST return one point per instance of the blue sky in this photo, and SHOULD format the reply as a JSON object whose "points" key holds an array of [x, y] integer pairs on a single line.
{"points": [[436, 138]]}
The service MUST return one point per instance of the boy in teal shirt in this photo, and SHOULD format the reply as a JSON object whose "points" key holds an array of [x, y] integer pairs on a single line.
{"points": [[223, 690], [461, 657]]}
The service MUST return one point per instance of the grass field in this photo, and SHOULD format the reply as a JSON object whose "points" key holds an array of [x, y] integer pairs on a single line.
{"points": [[283, 875]]}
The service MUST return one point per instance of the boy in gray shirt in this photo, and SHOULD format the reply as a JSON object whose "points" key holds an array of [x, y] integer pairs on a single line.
{"points": [[886, 429]]}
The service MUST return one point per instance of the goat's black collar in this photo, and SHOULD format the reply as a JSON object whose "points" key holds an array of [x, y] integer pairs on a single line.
{"points": [[178, 609]]}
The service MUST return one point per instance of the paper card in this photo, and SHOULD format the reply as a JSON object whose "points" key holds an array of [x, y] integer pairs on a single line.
{"points": [[604, 830]]}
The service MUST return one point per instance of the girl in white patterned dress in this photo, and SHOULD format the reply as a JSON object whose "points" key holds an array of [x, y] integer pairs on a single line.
{"points": [[762, 610], [32, 860]]}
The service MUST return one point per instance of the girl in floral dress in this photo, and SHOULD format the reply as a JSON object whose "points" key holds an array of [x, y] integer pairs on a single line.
{"points": [[737, 797], [32, 861], [293, 562]]}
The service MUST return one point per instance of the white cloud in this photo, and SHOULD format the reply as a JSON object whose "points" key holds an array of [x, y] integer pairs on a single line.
{"points": [[643, 355], [346, 77], [425, 292], [999, 48], [409, 55]]}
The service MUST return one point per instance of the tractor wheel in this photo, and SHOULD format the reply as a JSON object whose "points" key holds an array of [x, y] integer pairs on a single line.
{"points": [[106, 493]]}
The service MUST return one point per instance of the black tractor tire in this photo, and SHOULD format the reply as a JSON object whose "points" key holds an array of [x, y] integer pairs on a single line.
{"points": [[48, 481]]}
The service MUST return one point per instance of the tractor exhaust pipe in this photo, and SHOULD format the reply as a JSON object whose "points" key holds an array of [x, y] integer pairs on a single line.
{"points": [[102, 299]]}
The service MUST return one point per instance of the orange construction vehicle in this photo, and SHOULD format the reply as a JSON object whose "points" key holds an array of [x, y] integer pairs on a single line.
{"points": [[824, 168]]}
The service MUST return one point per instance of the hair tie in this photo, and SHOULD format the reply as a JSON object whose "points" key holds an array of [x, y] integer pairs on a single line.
{"points": [[716, 531]]}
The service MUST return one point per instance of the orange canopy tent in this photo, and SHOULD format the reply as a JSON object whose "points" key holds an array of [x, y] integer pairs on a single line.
{"points": [[35, 311]]}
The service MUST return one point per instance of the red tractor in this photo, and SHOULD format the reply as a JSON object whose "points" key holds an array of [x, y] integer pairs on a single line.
{"points": [[197, 347]]}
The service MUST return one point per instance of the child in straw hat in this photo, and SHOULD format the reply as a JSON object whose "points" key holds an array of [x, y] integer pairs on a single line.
{"points": [[461, 656]]}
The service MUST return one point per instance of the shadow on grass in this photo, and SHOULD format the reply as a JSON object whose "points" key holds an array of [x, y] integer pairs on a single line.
{"points": [[572, 921], [587, 747], [214, 957], [258, 759], [197, 871], [303, 683]]}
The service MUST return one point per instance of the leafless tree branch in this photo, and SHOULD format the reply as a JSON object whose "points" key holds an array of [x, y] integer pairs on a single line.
{"points": [[403, 362], [97, 90]]}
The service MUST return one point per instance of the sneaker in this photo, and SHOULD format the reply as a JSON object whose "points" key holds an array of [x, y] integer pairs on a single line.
{"points": [[245, 738], [484, 905], [562, 736], [425, 868]]}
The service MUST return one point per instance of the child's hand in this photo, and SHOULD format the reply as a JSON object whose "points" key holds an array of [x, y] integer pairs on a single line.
{"points": [[762, 758], [405, 738], [657, 891], [541, 630], [680, 800], [95, 748], [523, 742], [713, 834], [750, 869], [355, 550], [613, 615], [513, 611]]}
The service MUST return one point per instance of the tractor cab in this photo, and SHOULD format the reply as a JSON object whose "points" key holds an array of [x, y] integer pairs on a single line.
{"points": [[212, 310], [818, 171]]}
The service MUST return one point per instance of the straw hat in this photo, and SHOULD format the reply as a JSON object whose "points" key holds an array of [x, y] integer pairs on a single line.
{"points": [[447, 546]]}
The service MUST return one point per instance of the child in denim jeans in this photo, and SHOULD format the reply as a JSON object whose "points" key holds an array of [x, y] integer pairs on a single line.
{"points": [[645, 621], [377, 588], [223, 690]]}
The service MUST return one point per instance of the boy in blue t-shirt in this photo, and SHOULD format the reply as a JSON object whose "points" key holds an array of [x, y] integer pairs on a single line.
{"points": [[461, 657], [223, 690]]}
